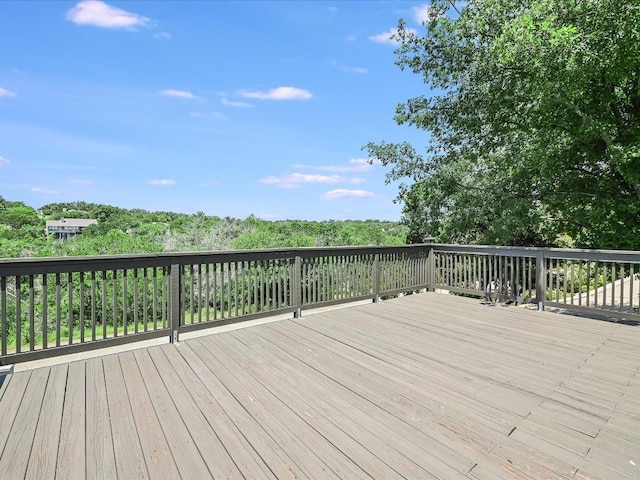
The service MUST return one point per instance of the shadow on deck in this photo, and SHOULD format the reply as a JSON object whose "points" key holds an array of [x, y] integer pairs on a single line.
{"points": [[424, 386]]}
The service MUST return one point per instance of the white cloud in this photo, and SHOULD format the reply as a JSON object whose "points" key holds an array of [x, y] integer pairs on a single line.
{"points": [[162, 36], [216, 115], [99, 14], [423, 13], [280, 93], [233, 103], [161, 183], [344, 193], [6, 93], [81, 182], [178, 93], [44, 191], [296, 179], [353, 69], [4, 161], [355, 165], [385, 37], [358, 180]]}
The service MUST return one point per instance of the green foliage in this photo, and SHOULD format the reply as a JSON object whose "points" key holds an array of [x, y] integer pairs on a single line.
{"points": [[121, 231], [534, 124]]}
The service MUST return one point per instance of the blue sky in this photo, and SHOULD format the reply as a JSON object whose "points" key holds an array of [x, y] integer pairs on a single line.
{"points": [[231, 108]]}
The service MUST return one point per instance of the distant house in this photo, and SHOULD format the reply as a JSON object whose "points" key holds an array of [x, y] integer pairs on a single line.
{"points": [[67, 228]]}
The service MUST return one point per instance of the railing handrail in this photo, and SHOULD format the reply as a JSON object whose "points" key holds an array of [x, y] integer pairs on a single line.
{"points": [[550, 252]]}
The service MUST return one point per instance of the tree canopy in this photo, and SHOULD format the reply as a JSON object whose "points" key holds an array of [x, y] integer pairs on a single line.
{"points": [[533, 121]]}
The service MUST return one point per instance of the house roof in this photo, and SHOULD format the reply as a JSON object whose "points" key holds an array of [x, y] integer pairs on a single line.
{"points": [[71, 222]]}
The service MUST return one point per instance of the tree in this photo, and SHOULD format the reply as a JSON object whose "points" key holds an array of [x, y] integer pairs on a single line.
{"points": [[534, 123]]}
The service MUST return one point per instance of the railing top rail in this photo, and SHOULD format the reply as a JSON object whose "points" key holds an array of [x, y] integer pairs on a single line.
{"points": [[37, 265], [561, 253]]}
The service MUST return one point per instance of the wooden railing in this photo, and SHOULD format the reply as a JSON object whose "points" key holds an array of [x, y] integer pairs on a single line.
{"points": [[54, 306], [594, 281], [59, 305]]}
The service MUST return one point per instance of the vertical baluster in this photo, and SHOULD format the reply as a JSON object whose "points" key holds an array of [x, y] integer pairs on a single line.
{"points": [[104, 303], [70, 326], [229, 306], [573, 290], [588, 283], [31, 314], [215, 291], [58, 309], [114, 313], [237, 287], [621, 286], [530, 279], [81, 307], [613, 285], [45, 312], [580, 280], [3, 314], [154, 298], [125, 302], [207, 287], [557, 280], [93, 305], [631, 290], [136, 327], [550, 280], [199, 297], [564, 281], [145, 301], [596, 286], [262, 285], [604, 284]]}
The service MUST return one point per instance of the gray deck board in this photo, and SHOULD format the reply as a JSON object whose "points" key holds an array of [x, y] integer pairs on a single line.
{"points": [[71, 451], [41, 463], [155, 449], [424, 386], [100, 456], [15, 456]]}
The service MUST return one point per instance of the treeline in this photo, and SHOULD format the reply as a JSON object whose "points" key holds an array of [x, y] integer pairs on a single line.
{"points": [[121, 231]]}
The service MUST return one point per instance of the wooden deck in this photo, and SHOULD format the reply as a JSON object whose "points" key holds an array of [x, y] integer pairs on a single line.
{"points": [[425, 386]]}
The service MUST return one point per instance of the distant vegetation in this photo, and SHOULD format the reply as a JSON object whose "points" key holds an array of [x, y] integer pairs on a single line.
{"points": [[121, 231]]}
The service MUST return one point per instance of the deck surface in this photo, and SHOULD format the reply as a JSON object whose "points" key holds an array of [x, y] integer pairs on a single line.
{"points": [[424, 386]]}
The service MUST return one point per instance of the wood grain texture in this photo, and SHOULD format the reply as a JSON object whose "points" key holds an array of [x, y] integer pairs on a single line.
{"points": [[422, 386]]}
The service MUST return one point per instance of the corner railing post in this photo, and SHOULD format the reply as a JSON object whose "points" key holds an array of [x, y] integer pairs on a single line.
{"points": [[175, 306], [541, 275], [376, 277], [431, 270], [297, 286]]}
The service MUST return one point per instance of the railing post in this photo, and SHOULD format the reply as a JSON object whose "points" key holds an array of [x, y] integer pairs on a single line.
{"points": [[297, 286], [431, 270], [541, 275], [376, 277], [175, 306]]}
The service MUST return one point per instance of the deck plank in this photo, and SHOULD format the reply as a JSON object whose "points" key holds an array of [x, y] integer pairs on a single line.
{"points": [[188, 460], [155, 449], [15, 456], [100, 456], [205, 439], [71, 451], [42, 464], [10, 404], [130, 461]]}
